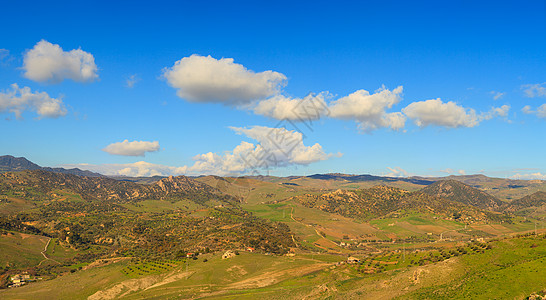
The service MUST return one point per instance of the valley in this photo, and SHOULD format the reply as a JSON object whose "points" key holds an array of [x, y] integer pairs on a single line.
{"points": [[311, 237]]}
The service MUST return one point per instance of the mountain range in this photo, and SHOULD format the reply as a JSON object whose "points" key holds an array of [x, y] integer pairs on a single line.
{"points": [[10, 163]]}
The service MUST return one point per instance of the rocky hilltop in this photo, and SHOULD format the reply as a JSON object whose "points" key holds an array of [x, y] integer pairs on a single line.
{"points": [[381, 201], [37, 184], [534, 200], [457, 191]]}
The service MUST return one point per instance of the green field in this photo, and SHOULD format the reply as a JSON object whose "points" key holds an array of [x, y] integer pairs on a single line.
{"points": [[476, 271], [19, 250]]}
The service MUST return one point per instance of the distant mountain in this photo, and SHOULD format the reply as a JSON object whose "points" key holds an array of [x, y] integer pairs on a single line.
{"points": [[366, 177], [40, 184], [459, 192], [10, 163], [381, 201], [537, 199], [348, 177], [141, 180]]}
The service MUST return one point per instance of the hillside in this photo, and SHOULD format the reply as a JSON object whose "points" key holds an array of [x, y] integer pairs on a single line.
{"points": [[459, 192], [98, 216], [381, 201], [535, 200], [10, 163], [366, 177], [38, 184]]}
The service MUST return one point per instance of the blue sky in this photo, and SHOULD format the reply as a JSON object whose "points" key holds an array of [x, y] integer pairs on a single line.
{"points": [[472, 78]]}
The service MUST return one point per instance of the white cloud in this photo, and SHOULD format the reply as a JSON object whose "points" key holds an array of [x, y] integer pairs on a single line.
{"points": [[131, 81], [280, 107], [451, 171], [540, 112], [497, 95], [369, 110], [206, 79], [137, 169], [17, 100], [47, 62], [527, 109], [496, 112], [276, 147], [286, 145], [436, 112], [134, 148], [534, 90], [529, 176], [397, 172]]}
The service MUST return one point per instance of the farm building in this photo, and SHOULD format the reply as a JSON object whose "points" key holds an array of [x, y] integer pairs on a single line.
{"points": [[353, 260]]}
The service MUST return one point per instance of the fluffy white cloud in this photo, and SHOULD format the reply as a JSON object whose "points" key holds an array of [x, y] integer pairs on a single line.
{"points": [[397, 172], [529, 176], [436, 112], [369, 110], [451, 171], [534, 90], [280, 107], [540, 112], [527, 109], [47, 62], [276, 147], [17, 100], [206, 79], [134, 148], [137, 169], [496, 112], [286, 145]]}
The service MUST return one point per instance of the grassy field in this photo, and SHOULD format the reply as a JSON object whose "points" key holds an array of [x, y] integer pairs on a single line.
{"points": [[20, 250], [510, 268], [172, 278]]}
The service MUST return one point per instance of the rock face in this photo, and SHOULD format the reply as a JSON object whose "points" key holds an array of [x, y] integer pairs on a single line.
{"points": [[459, 192]]}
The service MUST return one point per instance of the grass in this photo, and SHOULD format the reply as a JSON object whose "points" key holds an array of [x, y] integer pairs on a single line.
{"points": [[57, 252], [512, 268], [19, 250], [77, 285]]}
